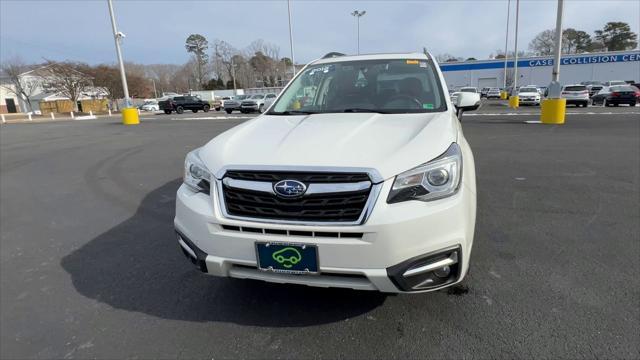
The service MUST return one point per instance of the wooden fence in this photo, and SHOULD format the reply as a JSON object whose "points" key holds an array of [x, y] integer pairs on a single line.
{"points": [[64, 106]]}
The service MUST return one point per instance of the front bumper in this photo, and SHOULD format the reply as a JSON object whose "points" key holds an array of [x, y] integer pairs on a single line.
{"points": [[394, 236]]}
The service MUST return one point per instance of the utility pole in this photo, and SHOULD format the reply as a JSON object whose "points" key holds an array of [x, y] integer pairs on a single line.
{"points": [[155, 93], [233, 70], [118, 37], [358, 15], [506, 46], [293, 60]]}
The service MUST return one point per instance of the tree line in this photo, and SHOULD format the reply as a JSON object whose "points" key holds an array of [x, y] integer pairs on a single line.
{"points": [[614, 36], [210, 67]]}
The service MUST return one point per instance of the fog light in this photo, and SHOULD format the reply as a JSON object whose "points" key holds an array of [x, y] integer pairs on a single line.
{"points": [[442, 272]]}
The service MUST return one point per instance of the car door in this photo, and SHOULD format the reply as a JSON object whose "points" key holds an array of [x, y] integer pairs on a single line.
{"points": [[268, 100]]}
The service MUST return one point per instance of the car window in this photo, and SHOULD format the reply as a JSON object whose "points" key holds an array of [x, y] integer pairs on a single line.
{"points": [[179, 98], [257, 97], [575, 88], [394, 86], [622, 88], [271, 96], [528, 89]]}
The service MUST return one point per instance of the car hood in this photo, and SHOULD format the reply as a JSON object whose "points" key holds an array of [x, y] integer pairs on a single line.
{"points": [[388, 143]]}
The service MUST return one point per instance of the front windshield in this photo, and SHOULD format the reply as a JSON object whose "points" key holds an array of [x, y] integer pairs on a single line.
{"points": [[528, 90], [257, 96], [386, 86]]}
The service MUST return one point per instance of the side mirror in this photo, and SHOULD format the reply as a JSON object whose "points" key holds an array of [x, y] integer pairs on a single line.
{"points": [[465, 101]]}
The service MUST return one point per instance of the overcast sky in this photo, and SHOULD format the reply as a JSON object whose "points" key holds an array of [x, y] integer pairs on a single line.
{"points": [[156, 30]]}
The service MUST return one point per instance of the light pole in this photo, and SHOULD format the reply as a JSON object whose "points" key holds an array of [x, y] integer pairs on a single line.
{"points": [[506, 47], [515, 60], [118, 37], [358, 15], [293, 61], [554, 108], [514, 99]]}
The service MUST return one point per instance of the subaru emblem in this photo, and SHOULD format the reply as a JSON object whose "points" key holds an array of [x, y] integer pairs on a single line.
{"points": [[289, 188]]}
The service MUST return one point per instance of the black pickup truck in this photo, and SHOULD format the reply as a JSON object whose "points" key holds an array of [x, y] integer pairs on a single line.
{"points": [[181, 103]]}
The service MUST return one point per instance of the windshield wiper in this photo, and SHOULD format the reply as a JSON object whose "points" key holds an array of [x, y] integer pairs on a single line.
{"points": [[293, 112], [363, 110]]}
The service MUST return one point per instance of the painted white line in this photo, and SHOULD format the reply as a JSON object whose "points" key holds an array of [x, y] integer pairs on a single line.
{"points": [[90, 117], [213, 118], [569, 113], [533, 122]]}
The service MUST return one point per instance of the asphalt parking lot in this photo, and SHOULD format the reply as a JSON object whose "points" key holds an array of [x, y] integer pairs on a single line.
{"points": [[90, 268]]}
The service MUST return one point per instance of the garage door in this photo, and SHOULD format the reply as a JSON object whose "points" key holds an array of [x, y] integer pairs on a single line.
{"points": [[487, 82]]}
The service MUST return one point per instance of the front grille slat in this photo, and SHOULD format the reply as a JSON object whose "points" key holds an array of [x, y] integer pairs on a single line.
{"points": [[322, 207]]}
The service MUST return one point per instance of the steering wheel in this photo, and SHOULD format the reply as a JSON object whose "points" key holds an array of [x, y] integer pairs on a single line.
{"points": [[410, 99]]}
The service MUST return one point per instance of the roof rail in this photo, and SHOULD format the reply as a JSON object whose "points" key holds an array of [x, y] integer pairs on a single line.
{"points": [[332, 55]]}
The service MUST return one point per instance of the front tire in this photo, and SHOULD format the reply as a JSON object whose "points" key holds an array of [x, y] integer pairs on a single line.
{"points": [[195, 110], [179, 110], [229, 111], [167, 112], [206, 108], [218, 109]]}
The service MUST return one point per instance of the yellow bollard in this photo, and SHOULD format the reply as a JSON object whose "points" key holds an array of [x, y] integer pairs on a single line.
{"points": [[514, 101], [553, 111], [504, 95], [130, 116]]}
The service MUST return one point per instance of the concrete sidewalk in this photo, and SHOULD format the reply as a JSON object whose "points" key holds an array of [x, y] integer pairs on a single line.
{"points": [[24, 118]]}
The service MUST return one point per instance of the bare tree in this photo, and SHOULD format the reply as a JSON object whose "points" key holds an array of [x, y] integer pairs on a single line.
{"points": [[223, 53], [543, 44], [23, 87], [64, 79]]}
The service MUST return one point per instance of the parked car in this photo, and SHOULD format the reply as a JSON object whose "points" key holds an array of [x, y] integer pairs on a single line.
{"points": [[469, 89], [615, 82], [594, 89], [484, 91], [268, 100], [252, 104], [150, 105], [616, 95], [369, 188], [234, 104], [577, 95], [493, 93], [528, 96], [181, 103]]}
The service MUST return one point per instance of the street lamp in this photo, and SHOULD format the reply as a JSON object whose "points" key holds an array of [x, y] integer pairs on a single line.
{"points": [[506, 49], [293, 61], [358, 15], [554, 107], [129, 115], [514, 100]]}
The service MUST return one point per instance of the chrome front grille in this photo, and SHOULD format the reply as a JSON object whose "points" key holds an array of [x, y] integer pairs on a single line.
{"points": [[331, 197]]}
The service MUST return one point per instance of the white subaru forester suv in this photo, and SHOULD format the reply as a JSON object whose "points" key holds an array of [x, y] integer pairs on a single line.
{"points": [[358, 176]]}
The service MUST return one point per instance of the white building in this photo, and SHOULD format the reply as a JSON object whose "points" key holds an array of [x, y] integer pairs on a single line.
{"points": [[619, 65]]}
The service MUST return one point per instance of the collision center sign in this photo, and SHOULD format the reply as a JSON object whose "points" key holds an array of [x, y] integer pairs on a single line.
{"points": [[595, 59], [535, 62]]}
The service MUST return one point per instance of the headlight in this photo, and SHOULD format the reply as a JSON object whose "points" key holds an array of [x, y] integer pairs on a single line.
{"points": [[434, 180], [196, 174]]}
